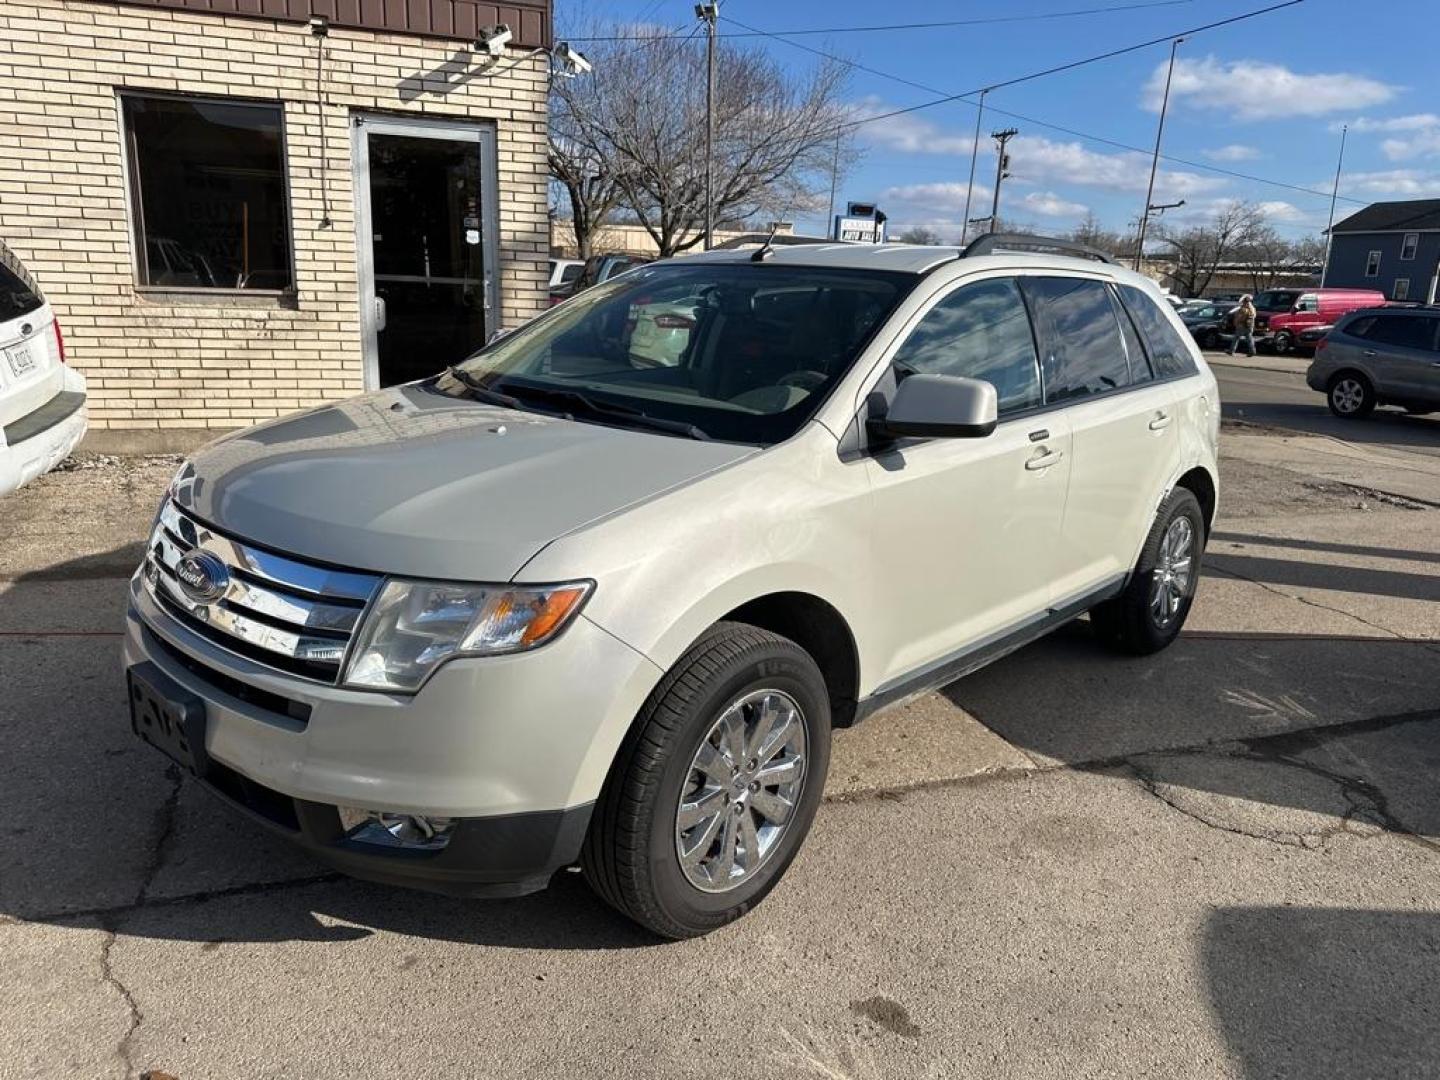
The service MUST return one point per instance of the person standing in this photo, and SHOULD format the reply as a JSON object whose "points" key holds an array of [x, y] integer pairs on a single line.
{"points": [[1243, 323]]}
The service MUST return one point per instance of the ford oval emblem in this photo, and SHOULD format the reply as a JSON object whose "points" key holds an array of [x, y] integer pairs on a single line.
{"points": [[202, 577]]}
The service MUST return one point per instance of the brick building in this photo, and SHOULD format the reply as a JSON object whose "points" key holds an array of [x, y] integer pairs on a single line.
{"points": [[235, 216]]}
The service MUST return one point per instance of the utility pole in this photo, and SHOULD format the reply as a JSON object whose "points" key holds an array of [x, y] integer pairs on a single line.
{"points": [[1002, 166], [1155, 158], [974, 152], [834, 183], [1334, 194], [709, 14]]}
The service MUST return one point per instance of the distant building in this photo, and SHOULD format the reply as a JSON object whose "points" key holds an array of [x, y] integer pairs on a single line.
{"points": [[1390, 246]]}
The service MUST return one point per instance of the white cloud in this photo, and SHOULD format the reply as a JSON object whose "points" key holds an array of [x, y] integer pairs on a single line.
{"points": [[1048, 204], [1252, 90], [1278, 210], [1413, 122], [1390, 184], [909, 134], [1232, 152], [1422, 144], [938, 198], [1039, 160]]}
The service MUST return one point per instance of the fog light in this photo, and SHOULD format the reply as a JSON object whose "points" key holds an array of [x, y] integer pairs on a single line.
{"points": [[423, 832]]}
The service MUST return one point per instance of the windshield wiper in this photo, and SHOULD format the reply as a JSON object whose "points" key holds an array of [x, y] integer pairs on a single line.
{"points": [[480, 392], [626, 413]]}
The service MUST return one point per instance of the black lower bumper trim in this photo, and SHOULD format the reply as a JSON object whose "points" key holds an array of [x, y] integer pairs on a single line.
{"points": [[55, 411]]}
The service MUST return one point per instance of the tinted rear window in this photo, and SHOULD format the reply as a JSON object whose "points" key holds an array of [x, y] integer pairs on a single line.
{"points": [[1406, 331], [19, 295], [1084, 354], [1169, 352]]}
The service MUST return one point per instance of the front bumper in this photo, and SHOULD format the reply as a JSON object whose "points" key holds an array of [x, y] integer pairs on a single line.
{"points": [[35, 444], [516, 747]]}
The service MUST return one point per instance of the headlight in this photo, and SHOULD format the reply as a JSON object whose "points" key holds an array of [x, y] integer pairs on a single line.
{"points": [[415, 626]]}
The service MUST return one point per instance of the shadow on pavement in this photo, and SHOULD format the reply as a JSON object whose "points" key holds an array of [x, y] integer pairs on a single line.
{"points": [[99, 830], [1383, 427], [1321, 993]]}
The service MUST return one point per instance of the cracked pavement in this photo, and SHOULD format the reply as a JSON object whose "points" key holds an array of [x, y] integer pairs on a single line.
{"points": [[1223, 861]]}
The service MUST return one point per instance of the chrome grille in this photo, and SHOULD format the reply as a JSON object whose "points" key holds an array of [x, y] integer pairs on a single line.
{"points": [[291, 615]]}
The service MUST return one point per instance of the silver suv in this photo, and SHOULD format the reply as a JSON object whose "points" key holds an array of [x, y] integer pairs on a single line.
{"points": [[567, 603], [1380, 356]]}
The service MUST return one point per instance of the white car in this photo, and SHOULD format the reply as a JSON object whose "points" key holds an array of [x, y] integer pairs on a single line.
{"points": [[42, 402], [564, 605], [564, 271]]}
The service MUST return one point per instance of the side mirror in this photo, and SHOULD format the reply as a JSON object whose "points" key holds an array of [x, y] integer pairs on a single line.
{"points": [[939, 407]]}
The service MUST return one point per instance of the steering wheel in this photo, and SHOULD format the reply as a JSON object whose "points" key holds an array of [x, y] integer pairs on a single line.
{"points": [[805, 380]]}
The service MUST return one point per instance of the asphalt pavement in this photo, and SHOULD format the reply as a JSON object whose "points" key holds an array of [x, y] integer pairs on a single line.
{"points": [[1222, 861]]}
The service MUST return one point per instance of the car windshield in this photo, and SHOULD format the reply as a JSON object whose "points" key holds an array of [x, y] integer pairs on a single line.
{"points": [[735, 352], [1277, 299]]}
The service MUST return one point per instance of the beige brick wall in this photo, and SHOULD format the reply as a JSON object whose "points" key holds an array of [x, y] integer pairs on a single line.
{"points": [[155, 362]]}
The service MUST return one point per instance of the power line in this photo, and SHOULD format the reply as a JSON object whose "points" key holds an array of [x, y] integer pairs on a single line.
{"points": [[1036, 17], [968, 99]]}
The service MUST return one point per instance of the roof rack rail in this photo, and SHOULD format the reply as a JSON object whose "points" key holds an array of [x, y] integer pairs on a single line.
{"points": [[990, 243]]}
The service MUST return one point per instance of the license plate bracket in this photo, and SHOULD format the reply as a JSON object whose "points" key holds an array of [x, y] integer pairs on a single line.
{"points": [[168, 717], [22, 359]]}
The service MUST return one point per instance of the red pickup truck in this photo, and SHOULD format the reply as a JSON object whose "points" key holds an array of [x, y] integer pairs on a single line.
{"points": [[1283, 313]]}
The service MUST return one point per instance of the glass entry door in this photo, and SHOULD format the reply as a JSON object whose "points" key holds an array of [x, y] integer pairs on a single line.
{"points": [[427, 220]]}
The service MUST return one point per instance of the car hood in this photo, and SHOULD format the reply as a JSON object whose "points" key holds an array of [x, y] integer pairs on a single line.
{"points": [[407, 481]]}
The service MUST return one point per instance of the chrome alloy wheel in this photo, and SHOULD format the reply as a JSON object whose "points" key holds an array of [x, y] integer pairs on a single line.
{"points": [[741, 791], [1174, 567], [1347, 395]]}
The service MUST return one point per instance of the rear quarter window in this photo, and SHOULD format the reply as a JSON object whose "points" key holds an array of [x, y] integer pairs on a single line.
{"points": [[1170, 354], [19, 295], [1083, 352]]}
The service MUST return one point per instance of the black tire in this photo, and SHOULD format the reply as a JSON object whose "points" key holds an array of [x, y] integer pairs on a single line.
{"points": [[1210, 340], [1350, 395], [1129, 624], [1282, 342], [630, 857]]}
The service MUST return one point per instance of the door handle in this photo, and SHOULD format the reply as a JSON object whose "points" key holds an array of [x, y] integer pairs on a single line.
{"points": [[1161, 421], [1044, 459], [1368, 352], [379, 313]]}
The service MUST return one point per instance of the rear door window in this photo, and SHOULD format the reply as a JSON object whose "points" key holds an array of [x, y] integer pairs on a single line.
{"points": [[1084, 354], [979, 331], [1169, 352], [19, 295], [1134, 349], [1405, 331]]}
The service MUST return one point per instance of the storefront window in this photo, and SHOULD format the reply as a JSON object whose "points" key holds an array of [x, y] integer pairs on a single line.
{"points": [[208, 193]]}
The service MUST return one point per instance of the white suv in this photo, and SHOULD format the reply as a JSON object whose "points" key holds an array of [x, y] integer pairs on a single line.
{"points": [[562, 604], [42, 402]]}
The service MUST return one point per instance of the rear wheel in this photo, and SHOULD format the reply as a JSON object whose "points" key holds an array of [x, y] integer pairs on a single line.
{"points": [[1350, 395], [1210, 340], [1148, 615], [714, 792]]}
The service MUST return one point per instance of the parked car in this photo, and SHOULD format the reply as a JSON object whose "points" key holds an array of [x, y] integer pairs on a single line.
{"points": [[596, 269], [42, 401], [1307, 340], [1283, 313], [564, 271], [1207, 322], [1389, 356], [558, 605]]}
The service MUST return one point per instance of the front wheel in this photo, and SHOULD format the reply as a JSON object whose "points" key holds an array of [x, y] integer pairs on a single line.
{"points": [[1350, 395], [1148, 615], [1282, 343], [715, 789]]}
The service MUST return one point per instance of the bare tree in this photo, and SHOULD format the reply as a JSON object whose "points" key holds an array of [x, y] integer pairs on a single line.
{"points": [[576, 163], [640, 124], [920, 234], [1199, 250], [1093, 234]]}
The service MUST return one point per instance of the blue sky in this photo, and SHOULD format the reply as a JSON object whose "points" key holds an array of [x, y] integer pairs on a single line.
{"points": [[1265, 97]]}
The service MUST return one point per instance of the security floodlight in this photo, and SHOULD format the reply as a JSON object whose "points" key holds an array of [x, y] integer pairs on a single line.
{"points": [[571, 62], [493, 39], [319, 25]]}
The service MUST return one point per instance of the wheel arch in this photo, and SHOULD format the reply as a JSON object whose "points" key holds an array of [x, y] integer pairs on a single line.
{"points": [[1201, 484]]}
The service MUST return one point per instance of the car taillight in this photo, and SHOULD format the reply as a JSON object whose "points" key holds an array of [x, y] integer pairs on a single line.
{"points": [[674, 322], [59, 339]]}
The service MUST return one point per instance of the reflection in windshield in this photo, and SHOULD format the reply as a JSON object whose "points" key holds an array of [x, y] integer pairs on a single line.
{"points": [[739, 352]]}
